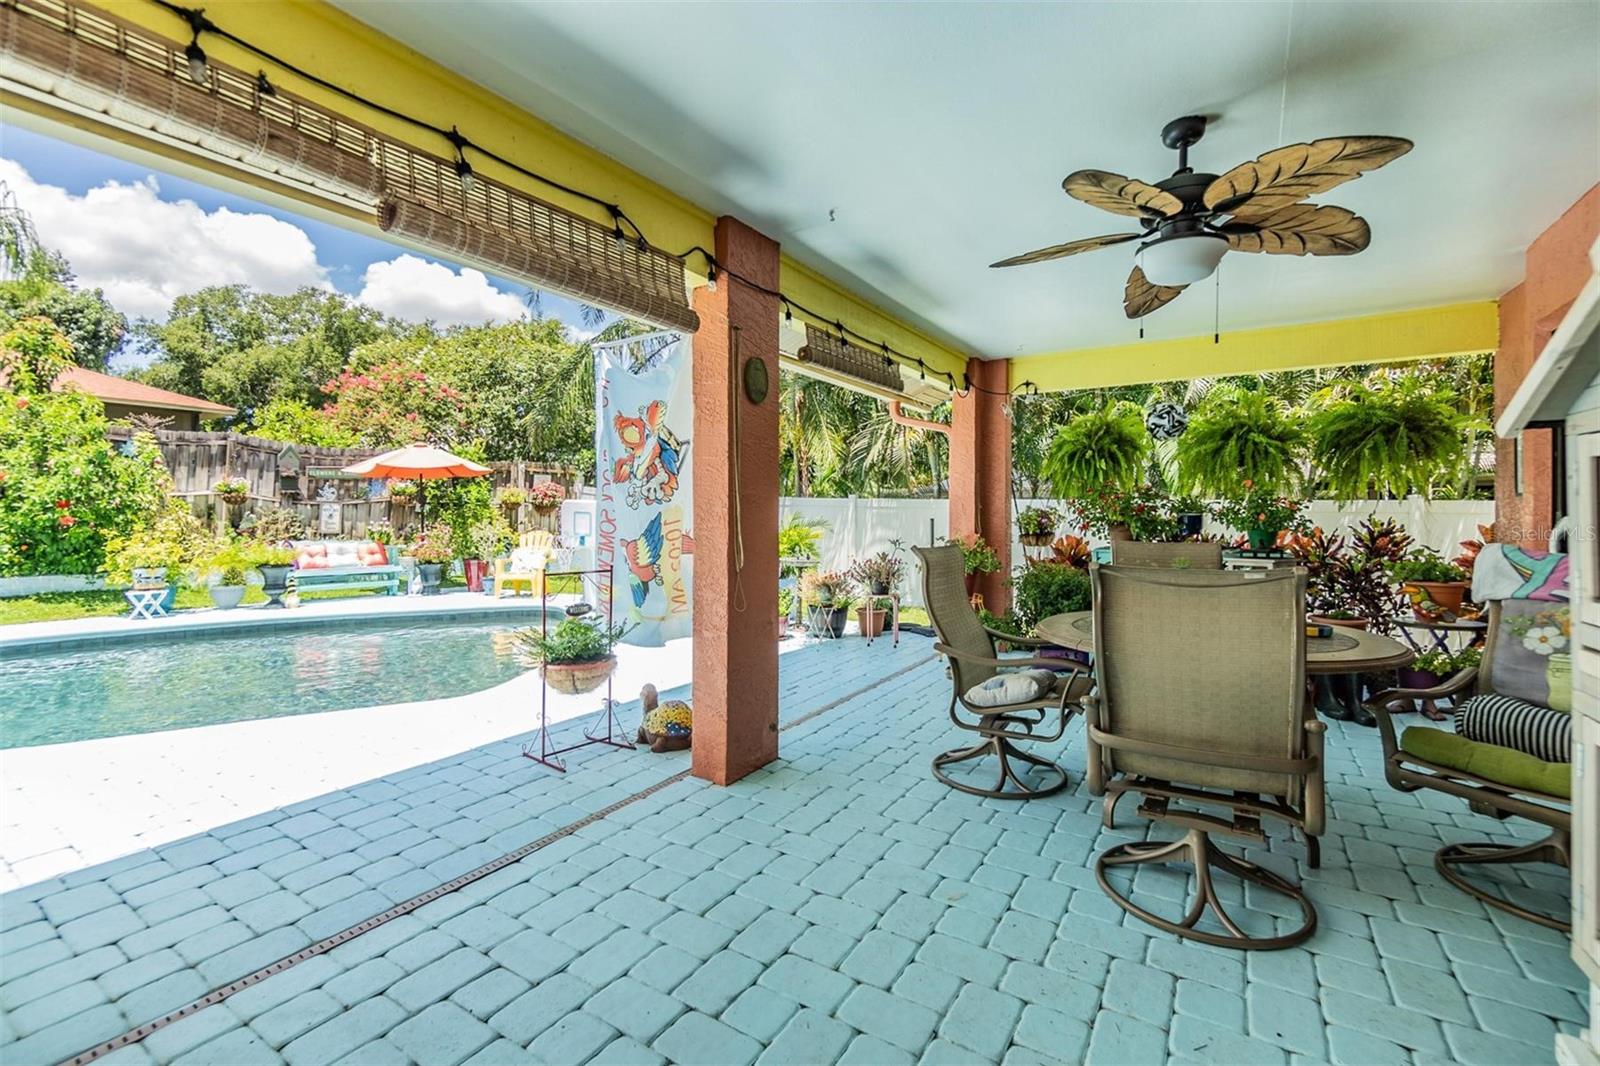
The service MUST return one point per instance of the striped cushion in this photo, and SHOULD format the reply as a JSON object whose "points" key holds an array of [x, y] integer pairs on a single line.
{"points": [[1517, 724]]}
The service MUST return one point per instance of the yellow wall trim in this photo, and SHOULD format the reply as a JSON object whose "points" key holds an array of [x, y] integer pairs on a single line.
{"points": [[1429, 332]]}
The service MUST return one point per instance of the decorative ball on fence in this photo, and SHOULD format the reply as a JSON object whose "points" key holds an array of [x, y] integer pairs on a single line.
{"points": [[1166, 420]]}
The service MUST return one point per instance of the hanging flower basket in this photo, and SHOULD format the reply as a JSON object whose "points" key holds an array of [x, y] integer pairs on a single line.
{"points": [[1035, 540], [577, 678]]}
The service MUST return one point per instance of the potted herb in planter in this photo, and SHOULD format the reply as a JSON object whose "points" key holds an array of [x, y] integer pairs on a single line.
{"points": [[433, 551], [979, 557], [546, 497], [785, 608], [1425, 575], [1036, 526], [575, 657], [1262, 515], [229, 564], [233, 490], [828, 591]]}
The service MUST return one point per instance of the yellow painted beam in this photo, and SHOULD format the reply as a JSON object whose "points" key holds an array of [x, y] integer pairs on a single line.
{"points": [[1429, 332], [329, 43]]}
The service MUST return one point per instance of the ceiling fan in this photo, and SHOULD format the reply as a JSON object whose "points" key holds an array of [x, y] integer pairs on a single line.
{"points": [[1189, 220]]}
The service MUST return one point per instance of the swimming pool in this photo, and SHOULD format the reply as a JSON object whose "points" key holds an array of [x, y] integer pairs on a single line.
{"points": [[190, 679]]}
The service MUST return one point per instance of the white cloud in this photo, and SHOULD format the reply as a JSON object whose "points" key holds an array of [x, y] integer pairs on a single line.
{"points": [[411, 288], [144, 251]]}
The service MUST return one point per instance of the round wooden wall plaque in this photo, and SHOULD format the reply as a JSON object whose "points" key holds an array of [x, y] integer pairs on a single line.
{"points": [[755, 380]]}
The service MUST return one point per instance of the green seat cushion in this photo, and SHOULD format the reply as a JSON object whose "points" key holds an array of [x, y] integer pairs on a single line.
{"points": [[1505, 766]]}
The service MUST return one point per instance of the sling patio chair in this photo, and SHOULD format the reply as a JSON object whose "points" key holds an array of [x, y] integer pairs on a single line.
{"points": [[1180, 555], [1200, 703], [1518, 707], [1004, 701]]}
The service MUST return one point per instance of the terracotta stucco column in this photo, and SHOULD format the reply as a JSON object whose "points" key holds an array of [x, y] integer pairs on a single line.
{"points": [[735, 610], [980, 470]]}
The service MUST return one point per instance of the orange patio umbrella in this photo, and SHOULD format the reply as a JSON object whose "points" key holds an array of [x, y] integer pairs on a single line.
{"points": [[420, 463]]}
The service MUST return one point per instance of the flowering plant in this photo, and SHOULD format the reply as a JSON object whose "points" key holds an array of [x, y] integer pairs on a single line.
{"points": [[979, 557], [883, 570], [380, 533], [1261, 511], [546, 495], [402, 490], [435, 546], [825, 587], [1144, 510], [1037, 521], [232, 489], [510, 497]]}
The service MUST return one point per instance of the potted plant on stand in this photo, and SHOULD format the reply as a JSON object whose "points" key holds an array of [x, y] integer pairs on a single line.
{"points": [[1036, 526], [880, 575], [979, 557], [1260, 514], [575, 657], [155, 556], [828, 592], [433, 551], [1433, 584]]}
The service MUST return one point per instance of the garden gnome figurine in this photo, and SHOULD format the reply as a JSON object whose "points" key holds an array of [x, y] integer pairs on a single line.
{"points": [[664, 726]]}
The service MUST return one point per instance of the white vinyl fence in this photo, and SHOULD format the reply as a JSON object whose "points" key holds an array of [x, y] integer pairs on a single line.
{"points": [[859, 527]]}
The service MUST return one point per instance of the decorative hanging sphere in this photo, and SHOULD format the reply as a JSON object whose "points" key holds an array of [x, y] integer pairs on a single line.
{"points": [[1166, 420]]}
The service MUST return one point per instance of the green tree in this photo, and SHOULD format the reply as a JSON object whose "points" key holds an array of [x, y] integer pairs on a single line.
{"points": [[45, 288]]}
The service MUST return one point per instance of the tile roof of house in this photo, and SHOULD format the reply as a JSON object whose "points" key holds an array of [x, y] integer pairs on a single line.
{"points": [[110, 389]]}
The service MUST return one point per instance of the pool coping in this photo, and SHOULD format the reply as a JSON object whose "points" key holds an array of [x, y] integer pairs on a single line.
{"points": [[47, 637]]}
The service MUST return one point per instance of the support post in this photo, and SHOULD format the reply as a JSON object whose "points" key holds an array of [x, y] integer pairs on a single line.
{"points": [[980, 470], [735, 456]]}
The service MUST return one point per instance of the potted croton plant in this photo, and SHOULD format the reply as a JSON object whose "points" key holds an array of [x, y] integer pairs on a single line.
{"points": [[433, 551], [574, 657], [828, 592], [1036, 526]]}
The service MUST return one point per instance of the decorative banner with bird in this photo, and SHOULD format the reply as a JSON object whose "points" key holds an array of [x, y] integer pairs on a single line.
{"points": [[644, 405]]}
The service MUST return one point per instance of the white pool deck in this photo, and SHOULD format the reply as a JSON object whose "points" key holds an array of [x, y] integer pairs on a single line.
{"points": [[67, 806]]}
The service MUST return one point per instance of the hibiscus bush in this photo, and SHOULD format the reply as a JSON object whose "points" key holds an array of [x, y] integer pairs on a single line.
{"points": [[64, 487]]}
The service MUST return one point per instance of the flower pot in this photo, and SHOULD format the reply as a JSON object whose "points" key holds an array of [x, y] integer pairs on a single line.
{"points": [[880, 588], [235, 499], [577, 678], [149, 577], [1119, 531], [1034, 540], [1190, 525], [474, 570], [1410, 678], [274, 583], [870, 620], [1447, 594], [972, 585], [488, 583], [1262, 540], [227, 596], [546, 510], [828, 621], [431, 574], [393, 552], [783, 627], [1347, 623]]}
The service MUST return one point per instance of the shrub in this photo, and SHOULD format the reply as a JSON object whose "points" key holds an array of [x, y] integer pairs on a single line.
{"points": [[800, 537], [277, 526], [571, 641], [65, 488], [175, 541], [976, 553], [1047, 588]]}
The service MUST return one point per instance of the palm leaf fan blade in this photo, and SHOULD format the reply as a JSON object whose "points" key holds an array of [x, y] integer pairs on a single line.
{"points": [[1287, 175], [1059, 251], [1141, 296], [1119, 194], [1301, 229]]}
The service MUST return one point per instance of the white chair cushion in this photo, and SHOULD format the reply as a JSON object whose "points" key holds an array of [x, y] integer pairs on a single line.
{"points": [[524, 560], [1011, 686]]}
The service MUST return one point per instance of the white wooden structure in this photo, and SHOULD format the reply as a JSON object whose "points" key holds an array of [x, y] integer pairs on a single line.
{"points": [[1563, 386]]}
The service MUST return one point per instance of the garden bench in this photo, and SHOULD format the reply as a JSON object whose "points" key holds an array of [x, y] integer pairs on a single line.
{"points": [[328, 565]]}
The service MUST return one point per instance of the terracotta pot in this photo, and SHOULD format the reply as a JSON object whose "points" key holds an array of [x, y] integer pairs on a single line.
{"points": [[871, 621], [1447, 594], [1347, 623], [577, 678], [783, 626], [474, 569]]}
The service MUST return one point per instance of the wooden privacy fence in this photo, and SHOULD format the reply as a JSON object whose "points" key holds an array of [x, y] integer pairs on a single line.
{"points": [[304, 478]]}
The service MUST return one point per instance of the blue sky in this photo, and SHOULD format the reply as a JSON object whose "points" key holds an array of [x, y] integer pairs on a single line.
{"points": [[144, 236]]}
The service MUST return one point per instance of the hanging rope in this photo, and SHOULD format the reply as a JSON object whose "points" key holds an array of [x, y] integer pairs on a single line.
{"points": [[735, 474]]}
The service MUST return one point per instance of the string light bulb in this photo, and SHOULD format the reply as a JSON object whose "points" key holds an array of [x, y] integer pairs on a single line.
{"points": [[711, 275], [199, 69], [465, 176]]}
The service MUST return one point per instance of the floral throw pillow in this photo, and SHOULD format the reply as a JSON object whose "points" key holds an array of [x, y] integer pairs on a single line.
{"points": [[1532, 656]]}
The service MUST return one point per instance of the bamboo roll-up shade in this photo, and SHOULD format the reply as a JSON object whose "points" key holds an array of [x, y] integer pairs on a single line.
{"points": [[79, 57], [839, 356], [99, 65], [554, 249]]}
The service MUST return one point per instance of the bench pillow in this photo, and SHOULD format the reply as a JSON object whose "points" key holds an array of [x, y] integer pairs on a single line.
{"points": [[312, 557], [370, 554], [1517, 724], [1013, 686]]}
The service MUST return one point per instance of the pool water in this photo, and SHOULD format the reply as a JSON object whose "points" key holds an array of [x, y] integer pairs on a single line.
{"points": [[149, 685]]}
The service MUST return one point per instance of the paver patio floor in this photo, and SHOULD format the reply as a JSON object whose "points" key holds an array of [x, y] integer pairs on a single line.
{"points": [[837, 905]]}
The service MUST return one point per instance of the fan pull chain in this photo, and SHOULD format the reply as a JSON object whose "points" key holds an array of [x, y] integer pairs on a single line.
{"points": [[1216, 307], [1141, 268]]}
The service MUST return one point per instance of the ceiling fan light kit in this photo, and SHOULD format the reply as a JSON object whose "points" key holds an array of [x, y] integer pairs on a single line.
{"points": [[1190, 220]]}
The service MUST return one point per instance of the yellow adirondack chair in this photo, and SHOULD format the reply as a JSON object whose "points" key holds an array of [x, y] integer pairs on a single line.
{"points": [[526, 564]]}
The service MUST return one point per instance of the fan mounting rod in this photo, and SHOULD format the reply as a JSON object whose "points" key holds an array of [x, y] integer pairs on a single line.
{"points": [[1180, 133]]}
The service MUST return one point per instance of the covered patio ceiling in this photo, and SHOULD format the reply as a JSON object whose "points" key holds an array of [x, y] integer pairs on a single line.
{"points": [[902, 171]]}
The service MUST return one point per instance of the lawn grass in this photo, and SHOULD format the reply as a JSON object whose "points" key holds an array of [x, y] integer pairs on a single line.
{"points": [[69, 606]]}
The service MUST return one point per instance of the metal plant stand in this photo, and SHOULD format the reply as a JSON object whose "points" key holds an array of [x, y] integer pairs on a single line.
{"points": [[607, 730]]}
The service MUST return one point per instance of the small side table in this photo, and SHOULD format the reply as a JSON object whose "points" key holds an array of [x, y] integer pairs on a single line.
{"points": [[894, 615], [819, 620], [147, 603]]}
